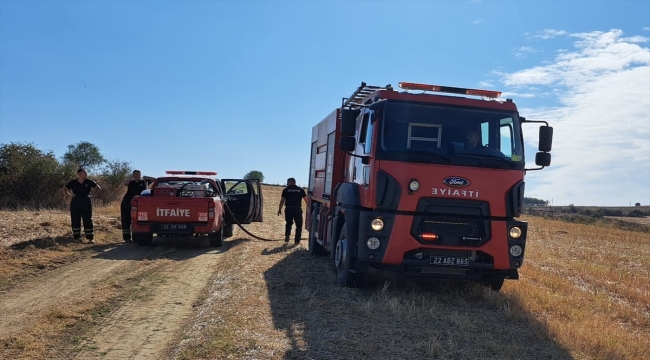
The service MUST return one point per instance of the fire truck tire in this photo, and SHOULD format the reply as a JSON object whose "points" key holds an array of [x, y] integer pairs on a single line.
{"points": [[346, 270], [315, 249], [493, 280], [216, 238], [142, 238]]}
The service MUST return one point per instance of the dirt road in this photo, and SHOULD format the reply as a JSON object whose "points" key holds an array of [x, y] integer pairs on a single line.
{"points": [[148, 292]]}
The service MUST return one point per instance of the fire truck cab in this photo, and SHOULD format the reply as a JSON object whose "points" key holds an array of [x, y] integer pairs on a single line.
{"points": [[421, 183]]}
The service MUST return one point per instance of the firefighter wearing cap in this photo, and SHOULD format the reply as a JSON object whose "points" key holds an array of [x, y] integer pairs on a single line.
{"points": [[292, 196], [134, 186], [80, 190]]}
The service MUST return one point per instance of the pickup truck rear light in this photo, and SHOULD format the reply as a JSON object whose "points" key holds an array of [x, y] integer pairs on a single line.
{"points": [[211, 211], [134, 209]]}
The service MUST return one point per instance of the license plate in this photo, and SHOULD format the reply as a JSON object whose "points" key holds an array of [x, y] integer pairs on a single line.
{"points": [[177, 227], [452, 261]]}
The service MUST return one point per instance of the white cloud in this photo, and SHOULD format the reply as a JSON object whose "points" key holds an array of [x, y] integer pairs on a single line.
{"points": [[546, 34], [522, 51], [647, 28], [476, 22], [601, 147], [485, 84]]}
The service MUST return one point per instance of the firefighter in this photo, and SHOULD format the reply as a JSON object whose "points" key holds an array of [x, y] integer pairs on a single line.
{"points": [[135, 185], [80, 190], [472, 140], [291, 195]]}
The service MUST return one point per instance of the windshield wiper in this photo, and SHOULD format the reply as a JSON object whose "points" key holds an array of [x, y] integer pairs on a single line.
{"points": [[489, 156], [430, 154]]}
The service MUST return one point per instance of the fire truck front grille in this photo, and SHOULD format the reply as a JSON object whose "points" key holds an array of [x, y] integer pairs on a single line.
{"points": [[452, 231], [452, 222]]}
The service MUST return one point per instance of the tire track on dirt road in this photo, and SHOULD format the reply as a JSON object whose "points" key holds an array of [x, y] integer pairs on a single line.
{"points": [[143, 329], [21, 305]]}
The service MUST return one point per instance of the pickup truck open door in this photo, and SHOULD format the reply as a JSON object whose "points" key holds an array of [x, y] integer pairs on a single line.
{"points": [[244, 198]]}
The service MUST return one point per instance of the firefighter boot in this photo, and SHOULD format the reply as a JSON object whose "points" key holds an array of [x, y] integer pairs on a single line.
{"points": [[126, 235]]}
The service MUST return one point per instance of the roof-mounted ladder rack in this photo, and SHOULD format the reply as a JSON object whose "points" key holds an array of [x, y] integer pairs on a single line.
{"points": [[361, 93]]}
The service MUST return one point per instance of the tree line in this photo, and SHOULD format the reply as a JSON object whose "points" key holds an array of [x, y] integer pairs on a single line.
{"points": [[33, 178]]}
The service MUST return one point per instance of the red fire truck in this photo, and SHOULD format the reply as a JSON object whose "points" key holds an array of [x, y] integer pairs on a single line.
{"points": [[421, 183]]}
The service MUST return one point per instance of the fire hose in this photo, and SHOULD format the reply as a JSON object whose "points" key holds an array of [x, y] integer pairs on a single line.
{"points": [[242, 227]]}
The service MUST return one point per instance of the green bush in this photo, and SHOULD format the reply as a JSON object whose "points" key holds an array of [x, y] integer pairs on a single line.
{"points": [[31, 178]]}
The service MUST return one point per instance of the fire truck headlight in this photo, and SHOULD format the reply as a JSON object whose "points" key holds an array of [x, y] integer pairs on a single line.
{"points": [[515, 250], [373, 243], [377, 224], [515, 232], [414, 185]]}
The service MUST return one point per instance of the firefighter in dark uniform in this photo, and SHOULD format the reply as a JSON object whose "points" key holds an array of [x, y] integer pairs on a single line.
{"points": [[135, 185], [291, 195], [80, 190]]}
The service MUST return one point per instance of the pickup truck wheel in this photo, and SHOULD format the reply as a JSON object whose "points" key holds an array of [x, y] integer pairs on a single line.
{"points": [[493, 280], [346, 270], [216, 238], [315, 249], [142, 239]]}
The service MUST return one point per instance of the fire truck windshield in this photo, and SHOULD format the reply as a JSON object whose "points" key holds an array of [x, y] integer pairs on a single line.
{"points": [[417, 132]]}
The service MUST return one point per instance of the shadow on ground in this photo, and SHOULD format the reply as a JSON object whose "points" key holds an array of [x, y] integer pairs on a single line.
{"points": [[178, 249], [395, 317]]}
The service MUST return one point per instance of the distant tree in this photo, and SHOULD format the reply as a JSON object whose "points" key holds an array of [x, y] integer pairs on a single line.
{"points": [[572, 208], [254, 174], [112, 175], [84, 154], [534, 201], [637, 204], [115, 171]]}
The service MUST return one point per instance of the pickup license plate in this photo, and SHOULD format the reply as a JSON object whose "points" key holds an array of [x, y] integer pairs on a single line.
{"points": [[445, 260], [173, 227]]}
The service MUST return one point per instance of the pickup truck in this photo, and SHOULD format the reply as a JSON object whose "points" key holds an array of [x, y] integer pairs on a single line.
{"points": [[193, 203]]}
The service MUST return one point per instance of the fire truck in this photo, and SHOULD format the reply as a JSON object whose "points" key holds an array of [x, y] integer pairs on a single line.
{"points": [[194, 203], [427, 181]]}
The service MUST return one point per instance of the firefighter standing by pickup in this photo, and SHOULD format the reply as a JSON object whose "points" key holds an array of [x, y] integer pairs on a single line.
{"points": [[135, 185], [81, 208], [292, 195]]}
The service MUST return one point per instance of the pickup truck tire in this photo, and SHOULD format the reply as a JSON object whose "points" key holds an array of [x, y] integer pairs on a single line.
{"points": [[142, 238], [216, 238]]}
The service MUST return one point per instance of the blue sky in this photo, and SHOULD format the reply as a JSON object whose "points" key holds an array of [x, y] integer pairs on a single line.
{"points": [[234, 86]]}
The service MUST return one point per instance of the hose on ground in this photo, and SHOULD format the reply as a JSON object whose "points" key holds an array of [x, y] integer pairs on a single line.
{"points": [[242, 227]]}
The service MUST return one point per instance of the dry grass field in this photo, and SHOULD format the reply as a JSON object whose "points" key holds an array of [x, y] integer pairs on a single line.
{"points": [[583, 293]]}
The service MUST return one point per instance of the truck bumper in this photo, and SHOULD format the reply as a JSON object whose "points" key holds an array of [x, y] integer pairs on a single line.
{"points": [[400, 251]]}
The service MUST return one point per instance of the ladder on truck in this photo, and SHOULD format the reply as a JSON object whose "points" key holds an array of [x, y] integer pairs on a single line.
{"points": [[361, 93]]}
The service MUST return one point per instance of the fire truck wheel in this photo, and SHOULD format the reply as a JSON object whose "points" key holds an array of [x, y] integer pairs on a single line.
{"points": [[493, 280], [143, 238], [346, 272], [216, 238], [315, 249]]}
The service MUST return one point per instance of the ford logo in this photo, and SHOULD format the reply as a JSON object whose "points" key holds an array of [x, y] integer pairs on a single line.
{"points": [[455, 181]]}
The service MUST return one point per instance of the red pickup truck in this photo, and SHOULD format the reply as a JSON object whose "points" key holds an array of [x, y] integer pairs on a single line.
{"points": [[188, 203]]}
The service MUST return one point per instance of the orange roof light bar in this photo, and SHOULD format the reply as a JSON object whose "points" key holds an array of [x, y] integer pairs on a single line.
{"points": [[449, 89], [177, 172]]}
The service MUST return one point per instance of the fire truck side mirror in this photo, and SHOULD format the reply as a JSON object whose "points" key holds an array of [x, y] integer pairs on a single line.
{"points": [[543, 159], [545, 139], [348, 122], [347, 143]]}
